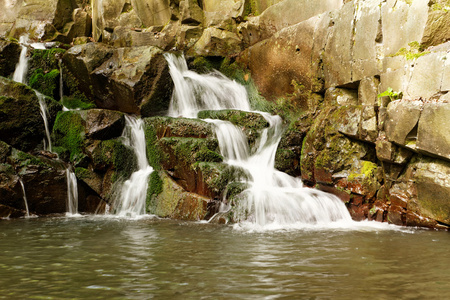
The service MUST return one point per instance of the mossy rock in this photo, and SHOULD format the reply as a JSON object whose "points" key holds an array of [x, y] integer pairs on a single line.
{"points": [[69, 135], [21, 123], [114, 155], [250, 122], [164, 127], [46, 83]]}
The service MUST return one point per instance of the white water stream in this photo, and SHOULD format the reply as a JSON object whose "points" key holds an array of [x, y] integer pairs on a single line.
{"points": [[194, 92], [273, 198], [131, 199], [72, 193], [25, 198], [44, 114], [20, 72]]}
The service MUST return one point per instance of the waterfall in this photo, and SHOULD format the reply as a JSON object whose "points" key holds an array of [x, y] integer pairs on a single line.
{"points": [[44, 113], [194, 92], [273, 199], [24, 198], [20, 73], [131, 199], [72, 193]]}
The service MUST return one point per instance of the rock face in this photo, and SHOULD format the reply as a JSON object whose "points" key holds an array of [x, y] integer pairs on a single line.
{"points": [[370, 78], [21, 124], [132, 79]]}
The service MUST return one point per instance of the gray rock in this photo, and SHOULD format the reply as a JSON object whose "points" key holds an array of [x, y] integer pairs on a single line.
{"points": [[433, 134], [402, 119]]}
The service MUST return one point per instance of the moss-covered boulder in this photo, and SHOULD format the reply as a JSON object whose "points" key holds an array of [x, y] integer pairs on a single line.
{"points": [[172, 201], [21, 123], [91, 141], [250, 122], [130, 79], [187, 151]]}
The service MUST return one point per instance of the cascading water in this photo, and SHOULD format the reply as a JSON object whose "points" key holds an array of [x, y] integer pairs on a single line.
{"points": [[273, 198], [22, 66], [25, 198], [44, 113], [194, 92], [72, 193], [131, 199]]}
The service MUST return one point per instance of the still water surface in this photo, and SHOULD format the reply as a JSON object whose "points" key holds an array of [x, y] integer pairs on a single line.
{"points": [[106, 258]]}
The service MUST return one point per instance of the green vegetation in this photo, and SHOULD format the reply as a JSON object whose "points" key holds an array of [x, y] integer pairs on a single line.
{"points": [[72, 102], [412, 52], [391, 94], [69, 134], [46, 83]]}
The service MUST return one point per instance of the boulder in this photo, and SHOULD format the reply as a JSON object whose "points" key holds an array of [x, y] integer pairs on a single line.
{"points": [[427, 187], [436, 29], [131, 79], [89, 139], [104, 124], [433, 130], [401, 122], [217, 42], [172, 201], [21, 123]]}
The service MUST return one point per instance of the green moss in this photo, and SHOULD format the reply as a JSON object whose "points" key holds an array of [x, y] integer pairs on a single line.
{"points": [[69, 134], [73, 94], [72, 102], [82, 173], [46, 83], [155, 187], [412, 52], [368, 171], [154, 154], [46, 59], [21, 160], [115, 155]]}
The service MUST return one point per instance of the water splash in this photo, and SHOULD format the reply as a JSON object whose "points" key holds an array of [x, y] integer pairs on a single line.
{"points": [[131, 198], [21, 70], [72, 193], [194, 92], [273, 199], [25, 198]]}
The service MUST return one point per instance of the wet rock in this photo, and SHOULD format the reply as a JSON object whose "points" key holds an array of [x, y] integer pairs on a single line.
{"points": [[80, 61], [133, 80], [251, 123], [21, 124], [332, 159], [104, 124], [100, 163], [174, 202]]}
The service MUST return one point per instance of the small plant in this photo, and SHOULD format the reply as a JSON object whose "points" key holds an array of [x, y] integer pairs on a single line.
{"points": [[391, 94]]}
